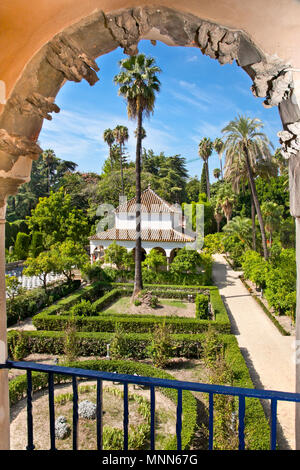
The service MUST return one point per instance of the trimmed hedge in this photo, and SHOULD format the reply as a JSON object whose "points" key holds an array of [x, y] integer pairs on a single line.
{"points": [[18, 389], [46, 320], [28, 304], [257, 432]]}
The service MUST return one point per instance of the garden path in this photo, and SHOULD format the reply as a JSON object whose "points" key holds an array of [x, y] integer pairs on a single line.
{"points": [[268, 354]]}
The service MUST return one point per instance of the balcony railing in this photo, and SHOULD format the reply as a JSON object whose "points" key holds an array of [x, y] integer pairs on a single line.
{"points": [[152, 383]]}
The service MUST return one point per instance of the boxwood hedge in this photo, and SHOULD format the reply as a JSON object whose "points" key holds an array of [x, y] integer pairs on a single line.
{"points": [[57, 318], [18, 389]]}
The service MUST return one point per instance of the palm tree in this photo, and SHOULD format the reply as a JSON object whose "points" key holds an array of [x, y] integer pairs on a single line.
{"points": [[205, 149], [244, 138], [226, 200], [109, 138], [272, 214], [236, 173], [218, 146], [218, 216], [50, 159], [217, 173], [143, 133], [121, 135], [241, 228], [138, 85]]}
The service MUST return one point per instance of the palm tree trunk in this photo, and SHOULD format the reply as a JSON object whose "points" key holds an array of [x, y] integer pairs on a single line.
{"points": [[253, 223], [121, 166], [138, 281], [221, 166], [256, 202], [207, 180], [110, 156]]}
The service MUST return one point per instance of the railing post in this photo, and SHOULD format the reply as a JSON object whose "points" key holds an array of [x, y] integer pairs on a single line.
{"points": [[4, 397]]}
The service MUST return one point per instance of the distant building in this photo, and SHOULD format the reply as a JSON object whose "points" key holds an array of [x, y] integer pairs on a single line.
{"points": [[162, 228]]}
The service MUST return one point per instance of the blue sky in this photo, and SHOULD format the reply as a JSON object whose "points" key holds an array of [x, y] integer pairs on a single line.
{"points": [[198, 98]]}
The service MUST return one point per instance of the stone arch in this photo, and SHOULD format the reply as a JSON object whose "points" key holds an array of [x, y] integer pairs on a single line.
{"points": [[173, 254], [160, 249], [70, 55]]}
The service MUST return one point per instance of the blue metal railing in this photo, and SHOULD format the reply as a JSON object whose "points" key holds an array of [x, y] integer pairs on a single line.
{"points": [[152, 383]]}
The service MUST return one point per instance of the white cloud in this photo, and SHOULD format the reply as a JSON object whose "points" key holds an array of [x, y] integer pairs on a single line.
{"points": [[78, 136]]}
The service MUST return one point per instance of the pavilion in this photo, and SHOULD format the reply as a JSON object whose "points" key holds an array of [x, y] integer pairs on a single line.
{"points": [[162, 228]]}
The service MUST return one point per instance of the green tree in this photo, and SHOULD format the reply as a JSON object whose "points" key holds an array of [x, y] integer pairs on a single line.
{"points": [[186, 261], [57, 220], [121, 135], [244, 137], [21, 247], [217, 173], [109, 138], [218, 146], [68, 256], [41, 266], [155, 259], [114, 254], [225, 199], [138, 84], [205, 149], [272, 214]]}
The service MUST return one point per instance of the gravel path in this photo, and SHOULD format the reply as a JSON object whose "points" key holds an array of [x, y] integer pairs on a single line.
{"points": [[268, 354]]}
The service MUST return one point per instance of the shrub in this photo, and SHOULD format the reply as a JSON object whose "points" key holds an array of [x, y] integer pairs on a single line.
{"points": [[71, 346], [213, 243], [160, 349], [255, 268], [30, 302], [21, 247], [84, 308], [202, 311]]}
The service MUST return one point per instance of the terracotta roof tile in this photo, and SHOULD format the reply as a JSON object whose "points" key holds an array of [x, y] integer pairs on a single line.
{"points": [[150, 202], [167, 235]]}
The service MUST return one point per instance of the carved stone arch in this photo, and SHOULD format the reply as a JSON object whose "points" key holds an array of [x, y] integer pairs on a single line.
{"points": [[71, 54]]}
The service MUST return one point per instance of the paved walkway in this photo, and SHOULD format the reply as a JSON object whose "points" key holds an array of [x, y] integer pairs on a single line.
{"points": [[268, 354]]}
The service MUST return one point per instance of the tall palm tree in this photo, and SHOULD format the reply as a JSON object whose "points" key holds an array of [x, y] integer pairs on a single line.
{"points": [[138, 84], [217, 173], [218, 146], [50, 159], [244, 137], [272, 214], [226, 199], [109, 138], [121, 135], [236, 173], [143, 133], [205, 149]]}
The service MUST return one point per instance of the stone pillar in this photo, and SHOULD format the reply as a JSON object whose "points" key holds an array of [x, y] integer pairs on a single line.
{"points": [[4, 397], [168, 263], [294, 179]]}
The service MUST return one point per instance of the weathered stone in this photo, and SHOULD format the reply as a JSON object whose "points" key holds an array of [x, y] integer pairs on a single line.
{"points": [[294, 179], [294, 128], [289, 111], [247, 54], [64, 56], [284, 135], [35, 104], [203, 34], [17, 145]]}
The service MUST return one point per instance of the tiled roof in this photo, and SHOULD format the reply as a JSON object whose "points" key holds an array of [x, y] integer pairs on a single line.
{"points": [[167, 235], [150, 202]]}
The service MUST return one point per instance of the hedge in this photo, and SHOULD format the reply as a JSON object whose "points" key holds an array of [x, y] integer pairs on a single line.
{"points": [[257, 432], [18, 389], [46, 320], [28, 304]]}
